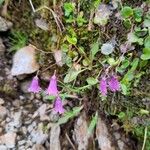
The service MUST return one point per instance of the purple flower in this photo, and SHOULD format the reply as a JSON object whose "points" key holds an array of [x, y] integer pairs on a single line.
{"points": [[52, 88], [103, 86], [113, 84], [58, 106], [34, 86]]}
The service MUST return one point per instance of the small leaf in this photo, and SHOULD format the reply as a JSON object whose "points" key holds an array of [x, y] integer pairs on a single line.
{"points": [[72, 40], [146, 23], [134, 39], [138, 12], [1, 2], [126, 12], [69, 115], [72, 74], [69, 8], [91, 81], [144, 112], [147, 42], [121, 115], [146, 54], [93, 123], [124, 89], [134, 64], [94, 49]]}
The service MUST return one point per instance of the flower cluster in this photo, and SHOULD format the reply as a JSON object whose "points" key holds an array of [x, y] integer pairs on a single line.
{"points": [[111, 82], [51, 90]]}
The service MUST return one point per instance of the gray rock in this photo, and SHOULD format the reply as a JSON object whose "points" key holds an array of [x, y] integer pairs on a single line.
{"points": [[21, 148], [3, 147], [9, 139], [21, 142], [16, 120], [38, 136], [5, 24], [3, 112], [42, 24], [2, 47], [103, 136], [54, 138], [1, 101], [16, 103], [24, 130], [121, 145], [38, 147], [31, 126], [24, 86]]}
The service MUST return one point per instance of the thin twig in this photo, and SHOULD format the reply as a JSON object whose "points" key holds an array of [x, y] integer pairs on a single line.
{"points": [[70, 141], [57, 20], [145, 137], [33, 9], [90, 25], [40, 49]]}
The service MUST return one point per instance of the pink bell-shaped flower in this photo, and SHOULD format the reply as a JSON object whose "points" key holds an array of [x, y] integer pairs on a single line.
{"points": [[34, 86], [52, 88], [58, 106], [113, 84], [103, 86]]}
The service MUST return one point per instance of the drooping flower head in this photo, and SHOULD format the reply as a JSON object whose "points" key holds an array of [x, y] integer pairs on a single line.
{"points": [[34, 86], [52, 88], [103, 86], [58, 106], [113, 84]]}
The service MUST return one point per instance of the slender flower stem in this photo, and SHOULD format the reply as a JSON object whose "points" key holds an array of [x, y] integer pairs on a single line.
{"points": [[145, 137]]}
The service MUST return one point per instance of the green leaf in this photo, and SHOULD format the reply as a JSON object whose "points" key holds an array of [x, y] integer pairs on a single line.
{"points": [[91, 81], [147, 42], [69, 115], [127, 23], [138, 12], [93, 124], [140, 32], [144, 112], [1, 2], [71, 75], [126, 12], [124, 89], [69, 8], [72, 40], [146, 54], [125, 64], [80, 19], [134, 64], [94, 49], [121, 115], [112, 61], [146, 23]]}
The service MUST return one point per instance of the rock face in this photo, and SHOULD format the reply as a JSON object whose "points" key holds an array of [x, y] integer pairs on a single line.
{"points": [[9, 139], [24, 61], [3, 112], [2, 47], [103, 136], [81, 133], [54, 138], [38, 147], [4, 24]]}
